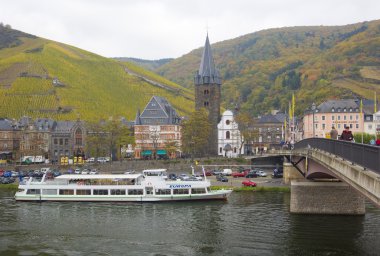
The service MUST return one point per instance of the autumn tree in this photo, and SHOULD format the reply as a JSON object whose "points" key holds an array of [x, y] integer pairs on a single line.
{"points": [[246, 125], [195, 133]]}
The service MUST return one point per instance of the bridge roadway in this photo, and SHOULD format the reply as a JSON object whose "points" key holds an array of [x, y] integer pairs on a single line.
{"points": [[356, 164]]}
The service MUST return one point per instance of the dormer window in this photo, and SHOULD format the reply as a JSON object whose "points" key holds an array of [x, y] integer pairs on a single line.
{"points": [[350, 109], [344, 110], [338, 109], [333, 110]]}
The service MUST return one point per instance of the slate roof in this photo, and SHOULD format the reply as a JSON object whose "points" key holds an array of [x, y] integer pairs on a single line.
{"points": [[157, 111], [45, 124], [207, 73], [340, 105], [6, 125], [277, 118], [64, 126]]}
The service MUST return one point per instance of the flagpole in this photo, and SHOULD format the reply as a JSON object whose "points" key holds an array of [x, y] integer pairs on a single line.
{"points": [[361, 113]]}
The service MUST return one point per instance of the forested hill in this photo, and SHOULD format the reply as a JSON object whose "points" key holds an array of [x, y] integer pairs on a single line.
{"points": [[261, 70], [43, 78]]}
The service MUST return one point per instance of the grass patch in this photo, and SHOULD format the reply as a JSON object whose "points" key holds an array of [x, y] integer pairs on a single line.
{"points": [[9, 186]]}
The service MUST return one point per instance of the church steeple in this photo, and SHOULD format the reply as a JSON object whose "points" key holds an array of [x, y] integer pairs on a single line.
{"points": [[207, 73]]}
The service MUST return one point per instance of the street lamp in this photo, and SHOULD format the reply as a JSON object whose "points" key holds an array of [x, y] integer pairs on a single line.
{"points": [[313, 107]]}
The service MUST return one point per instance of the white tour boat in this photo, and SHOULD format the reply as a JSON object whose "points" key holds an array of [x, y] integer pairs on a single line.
{"points": [[150, 186]]}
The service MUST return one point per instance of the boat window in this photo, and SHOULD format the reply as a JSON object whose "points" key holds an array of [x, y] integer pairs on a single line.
{"points": [[100, 192], [49, 192], [117, 191], [66, 191], [180, 191], [209, 189], [135, 191], [198, 191], [84, 192], [33, 191], [163, 191]]}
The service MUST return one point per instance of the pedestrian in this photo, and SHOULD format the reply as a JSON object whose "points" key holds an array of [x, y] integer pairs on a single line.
{"points": [[333, 133], [347, 134]]}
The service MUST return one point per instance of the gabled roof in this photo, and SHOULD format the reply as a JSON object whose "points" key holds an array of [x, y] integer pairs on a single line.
{"points": [[207, 73], [44, 124], [157, 111], [64, 126]]}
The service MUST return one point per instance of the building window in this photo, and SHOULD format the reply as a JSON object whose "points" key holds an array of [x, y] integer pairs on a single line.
{"points": [[5, 146], [333, 118], [351, 126], [227, 122], [357, 126], [78, 137], [323, 126], [323, 118], [205, 103], [66, 141], [338, 126], [60, 141], [350, 117], [55, 141], [357, 117], [220, 150], [206, 92], [228, 135], [369, 127], [234, 149], [338, 117], [344, 117]]}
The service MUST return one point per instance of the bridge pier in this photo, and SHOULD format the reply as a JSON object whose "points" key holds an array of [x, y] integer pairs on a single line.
{"points": [[325, 198], [291, 173]]}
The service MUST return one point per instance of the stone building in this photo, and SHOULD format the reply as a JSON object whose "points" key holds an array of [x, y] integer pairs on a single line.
{"points": [[268, 133], [208, 83], [157, 131], [35, 137], [9, 140], [229, 139], [67, 140]]}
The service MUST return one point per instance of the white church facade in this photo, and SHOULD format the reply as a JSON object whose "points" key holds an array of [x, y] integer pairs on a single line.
{"points": [[229, 139]]}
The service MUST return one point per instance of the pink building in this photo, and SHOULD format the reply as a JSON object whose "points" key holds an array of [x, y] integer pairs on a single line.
{"points": [[338, 113]]}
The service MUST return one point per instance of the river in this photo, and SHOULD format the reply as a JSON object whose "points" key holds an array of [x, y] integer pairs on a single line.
{"points": [[250, 223]]}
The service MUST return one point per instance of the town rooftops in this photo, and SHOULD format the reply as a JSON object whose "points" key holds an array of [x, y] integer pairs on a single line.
{"points": [[6, 125]]}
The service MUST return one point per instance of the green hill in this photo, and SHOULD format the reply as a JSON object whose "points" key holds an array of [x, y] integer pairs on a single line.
{"points": [[43, 78], [261, 70]]}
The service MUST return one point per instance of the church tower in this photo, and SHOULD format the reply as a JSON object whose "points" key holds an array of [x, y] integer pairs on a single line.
{"points": [[208, 93]]}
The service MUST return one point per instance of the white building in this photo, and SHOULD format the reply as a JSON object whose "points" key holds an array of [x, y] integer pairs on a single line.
{"points": [[229, 139]]}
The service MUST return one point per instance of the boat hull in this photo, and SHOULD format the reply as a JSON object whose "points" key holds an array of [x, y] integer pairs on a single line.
{"points": [[217, 195]]}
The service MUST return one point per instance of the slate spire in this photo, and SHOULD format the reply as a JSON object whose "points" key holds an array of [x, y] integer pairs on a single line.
{"points": [[207, 73]]}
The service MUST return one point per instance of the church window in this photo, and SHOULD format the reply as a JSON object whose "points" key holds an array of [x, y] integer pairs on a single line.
{"points": [[78, 137], [220, 150], [228, 135], [227, 122], [206, 92], [205, 103]]}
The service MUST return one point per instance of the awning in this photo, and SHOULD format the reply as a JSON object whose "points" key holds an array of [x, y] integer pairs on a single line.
{"points": [[161, 152], [146, 153]]}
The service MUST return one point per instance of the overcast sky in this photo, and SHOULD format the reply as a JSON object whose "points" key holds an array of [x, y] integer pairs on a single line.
{"points": [[153, 29]]}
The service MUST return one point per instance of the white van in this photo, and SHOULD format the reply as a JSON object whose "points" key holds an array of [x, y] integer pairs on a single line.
{"points": [[227, 172]]}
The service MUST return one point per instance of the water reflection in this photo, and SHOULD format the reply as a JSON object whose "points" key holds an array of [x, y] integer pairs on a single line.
{"points": [[248, 224]]}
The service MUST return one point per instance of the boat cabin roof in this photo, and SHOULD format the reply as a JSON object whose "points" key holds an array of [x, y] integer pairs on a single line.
{"points": [[97, 176]]}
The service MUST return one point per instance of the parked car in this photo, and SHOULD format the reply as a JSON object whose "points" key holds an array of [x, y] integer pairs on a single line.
{"points": [[93, 172], [248, 183], [227, 172], [222, 178], [103, 160], [251, 174], [217, 172], [90, 160], [261, 173], [277, 173], [197, 177], [77, 171], [183, 177], [172, 176], [85, 171], [240, 174], [208, 173]]}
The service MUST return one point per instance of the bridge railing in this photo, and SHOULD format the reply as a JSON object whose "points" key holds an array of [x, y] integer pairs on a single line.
{"points": [[365, 155]]}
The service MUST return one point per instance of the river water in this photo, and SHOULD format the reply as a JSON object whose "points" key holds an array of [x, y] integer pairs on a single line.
{"points": [[250, 223]]}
